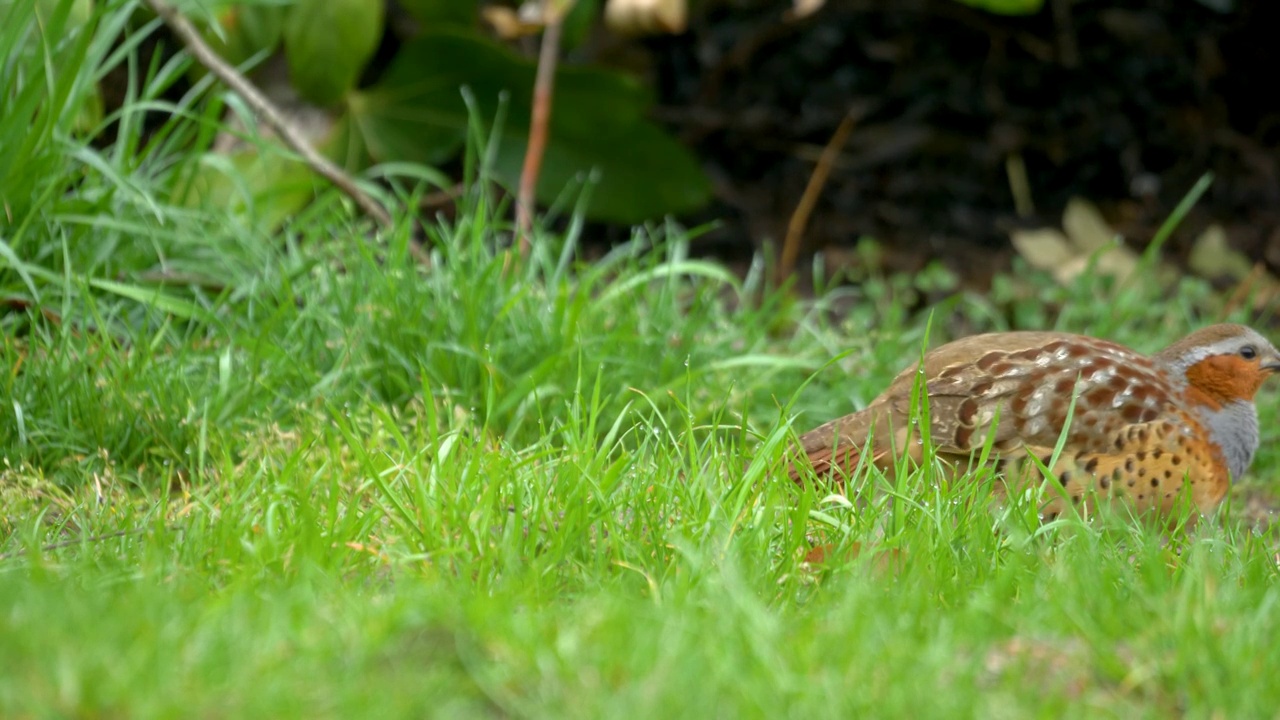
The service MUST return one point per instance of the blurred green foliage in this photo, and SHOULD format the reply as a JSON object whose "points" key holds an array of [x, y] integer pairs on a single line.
{"points": [[439, 69], [1006, 7], [413, 106]]}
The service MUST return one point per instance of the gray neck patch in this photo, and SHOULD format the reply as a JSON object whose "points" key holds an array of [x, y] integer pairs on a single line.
{"points": [[1235, 429]]}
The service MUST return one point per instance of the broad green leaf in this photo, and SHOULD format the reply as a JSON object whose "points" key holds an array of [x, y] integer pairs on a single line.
{"points": [[435, 14], [328, 42], [416, 113], [268, 186], [644, 173], [246, 29], [1006, 7], [578, 22]]}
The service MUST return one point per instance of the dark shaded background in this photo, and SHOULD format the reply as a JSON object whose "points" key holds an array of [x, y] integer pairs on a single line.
{"points": [[1122, 102]]}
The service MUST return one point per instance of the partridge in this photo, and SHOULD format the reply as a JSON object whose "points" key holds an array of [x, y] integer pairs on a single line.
{"points": [[1144, 427]]}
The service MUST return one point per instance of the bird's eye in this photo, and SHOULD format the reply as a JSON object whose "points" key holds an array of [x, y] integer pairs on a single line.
{"points": [[1248, 352]]}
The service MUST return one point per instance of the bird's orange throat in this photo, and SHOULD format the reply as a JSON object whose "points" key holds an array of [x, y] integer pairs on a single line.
{"points": [[1222, 379]]}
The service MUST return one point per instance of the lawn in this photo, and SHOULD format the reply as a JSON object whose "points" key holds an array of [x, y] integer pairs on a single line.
{"points": [[290, 471]]}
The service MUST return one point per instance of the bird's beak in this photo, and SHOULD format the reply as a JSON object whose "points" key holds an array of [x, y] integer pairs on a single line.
{"points": [[1272, 364]]}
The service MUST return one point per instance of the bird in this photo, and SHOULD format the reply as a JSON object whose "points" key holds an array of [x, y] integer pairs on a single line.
{"points": [[1148, 428]]}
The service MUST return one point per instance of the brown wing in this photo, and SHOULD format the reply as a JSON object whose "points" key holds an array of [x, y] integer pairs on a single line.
{"points": [[838, 445], [1018, 386]]}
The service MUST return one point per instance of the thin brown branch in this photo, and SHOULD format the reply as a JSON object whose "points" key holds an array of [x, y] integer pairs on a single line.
{"points": [[289, 134], [800, 218], [440, 198], [543, 86], [75, 541]]}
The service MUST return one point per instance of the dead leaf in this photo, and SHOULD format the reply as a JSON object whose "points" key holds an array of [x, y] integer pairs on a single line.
{"points": [[646, 17], [509, 24], [1045, 248], [801, 9], [1087, 241], [1212, 257], [1086, 226]]}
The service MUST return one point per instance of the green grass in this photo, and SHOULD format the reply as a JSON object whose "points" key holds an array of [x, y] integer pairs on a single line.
{"points": [[315, 479]]}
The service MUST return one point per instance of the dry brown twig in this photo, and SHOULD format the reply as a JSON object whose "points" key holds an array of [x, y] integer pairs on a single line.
{"points": [[83, 540], [553, 12], [800, 218], [289, 134]]}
